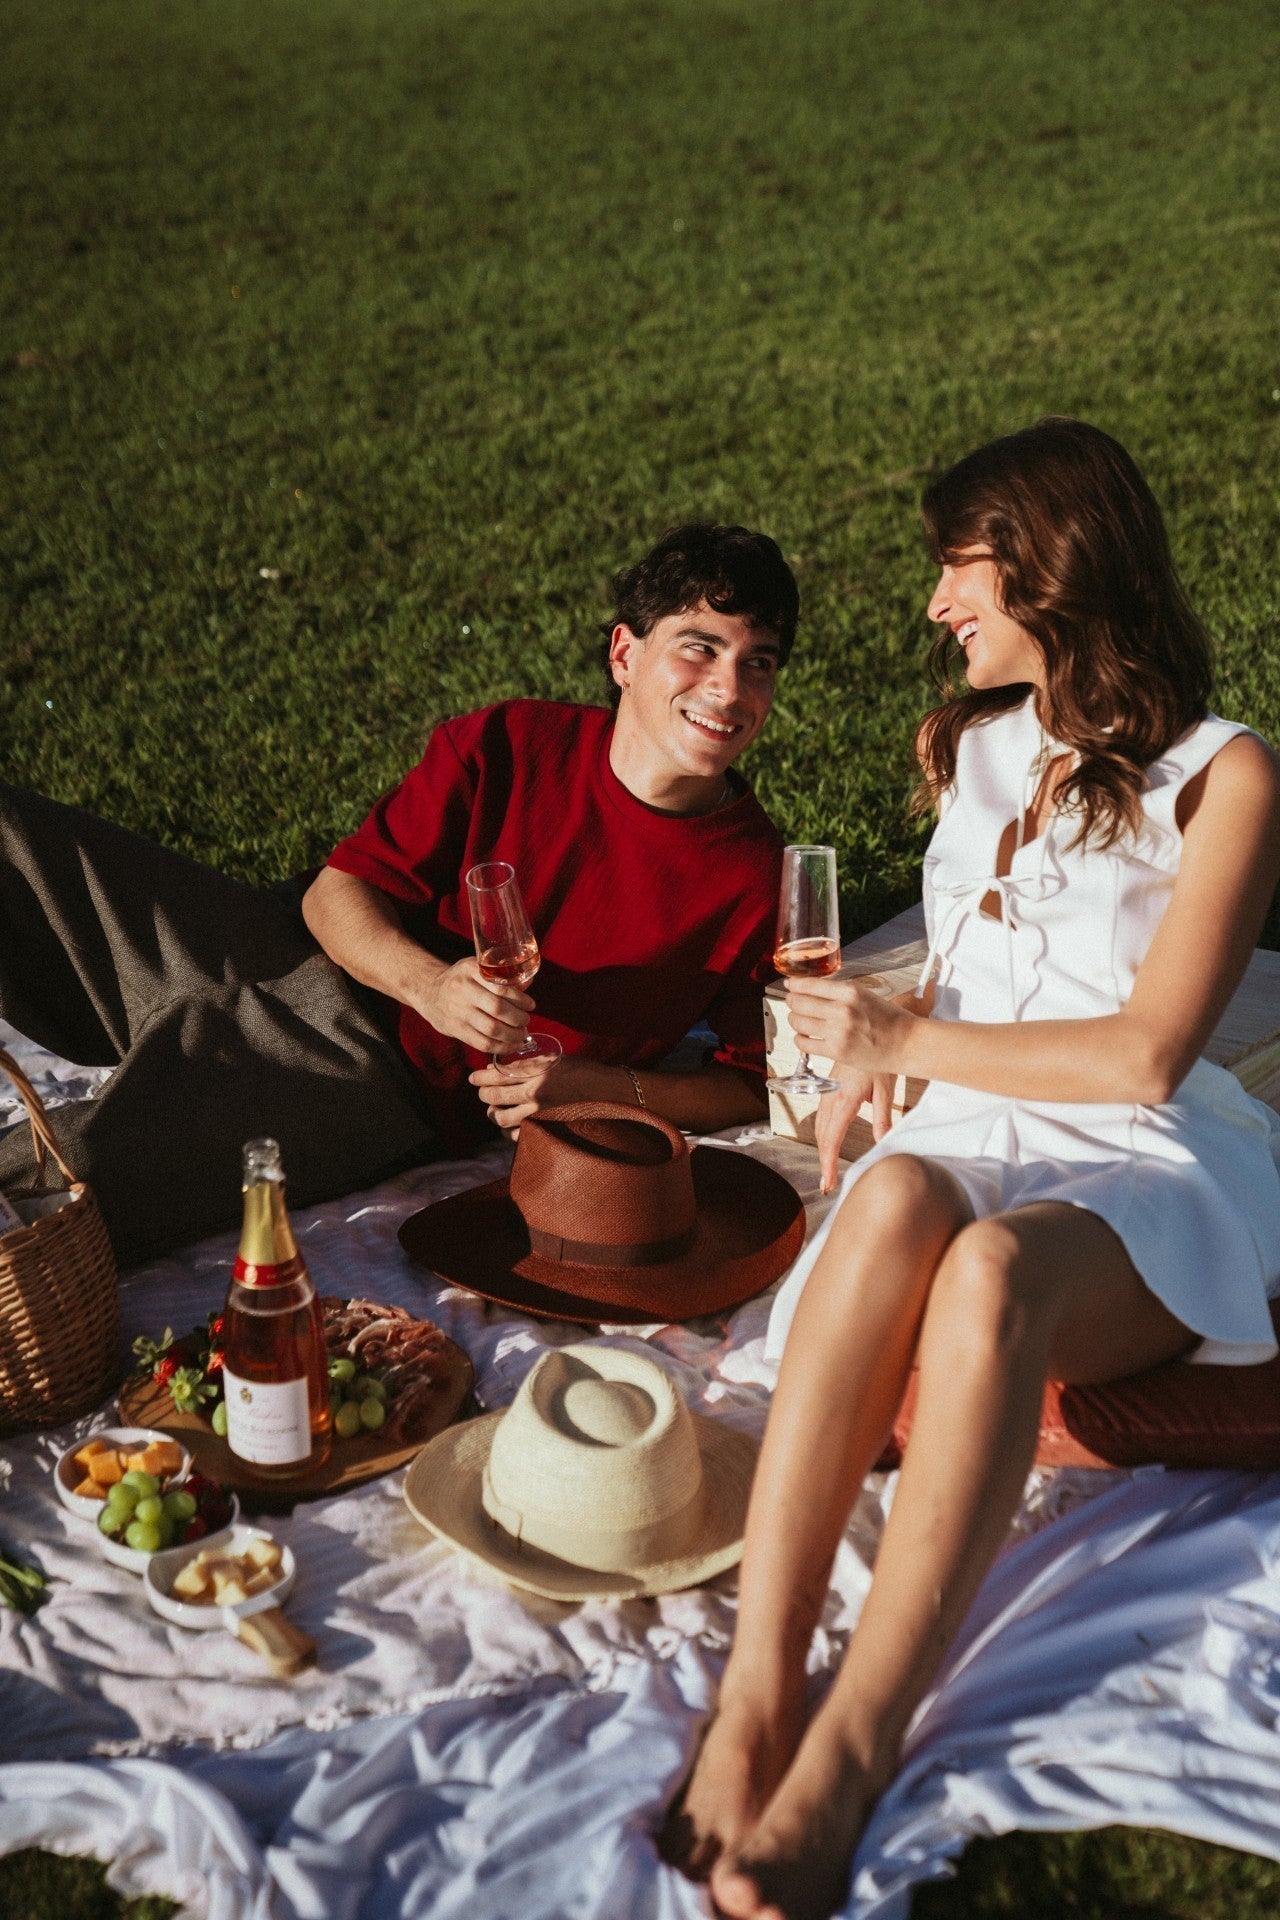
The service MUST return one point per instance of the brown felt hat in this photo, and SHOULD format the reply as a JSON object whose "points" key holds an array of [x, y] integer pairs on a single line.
{"points": [[608, 1216]]}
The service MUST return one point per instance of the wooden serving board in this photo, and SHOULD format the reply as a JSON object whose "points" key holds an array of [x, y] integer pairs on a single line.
{"points": [[143, 1403]]}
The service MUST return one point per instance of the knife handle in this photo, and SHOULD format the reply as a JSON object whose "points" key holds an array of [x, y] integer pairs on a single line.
{"points": [[285, 1648]]}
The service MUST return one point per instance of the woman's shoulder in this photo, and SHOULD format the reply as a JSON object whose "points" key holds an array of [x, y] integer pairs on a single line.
{"points": [[1248, 772], [1192, 751]]}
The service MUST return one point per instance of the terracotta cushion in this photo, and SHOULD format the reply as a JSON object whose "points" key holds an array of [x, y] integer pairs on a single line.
{"points": [[1177, 1415]]}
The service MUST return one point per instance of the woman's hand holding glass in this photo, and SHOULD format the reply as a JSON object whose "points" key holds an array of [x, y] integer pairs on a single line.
{"points": [[861, 1030], [865, 1034]]}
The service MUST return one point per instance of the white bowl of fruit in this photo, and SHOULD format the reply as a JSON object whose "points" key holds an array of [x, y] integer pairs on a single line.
{"points": [[86, 1473], [137, 1489]]}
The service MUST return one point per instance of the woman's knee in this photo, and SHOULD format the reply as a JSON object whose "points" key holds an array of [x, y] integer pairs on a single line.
{"points": [[904, 1189], [902, 1206], [983, 1291]]}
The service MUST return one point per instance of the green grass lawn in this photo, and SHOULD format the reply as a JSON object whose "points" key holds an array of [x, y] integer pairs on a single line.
{"points": [[44, 1886], [346, 346], [439, 313]]}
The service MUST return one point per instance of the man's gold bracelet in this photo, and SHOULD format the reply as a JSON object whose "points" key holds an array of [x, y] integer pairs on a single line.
{"points": [[636, 1085]]}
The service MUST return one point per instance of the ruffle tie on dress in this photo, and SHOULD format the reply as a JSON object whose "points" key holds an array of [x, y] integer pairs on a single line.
{"points": [[966, 895]]}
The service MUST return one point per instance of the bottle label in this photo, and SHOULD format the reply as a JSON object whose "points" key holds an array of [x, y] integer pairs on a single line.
{"points": [[260, 1273], [268, 1421]]}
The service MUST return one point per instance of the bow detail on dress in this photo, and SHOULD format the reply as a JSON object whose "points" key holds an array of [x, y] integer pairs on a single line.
{"points": [[966, 895]]}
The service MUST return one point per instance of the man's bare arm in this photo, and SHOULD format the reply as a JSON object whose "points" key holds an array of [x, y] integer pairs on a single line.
{"points": [[359, 927], [701, 1101]]}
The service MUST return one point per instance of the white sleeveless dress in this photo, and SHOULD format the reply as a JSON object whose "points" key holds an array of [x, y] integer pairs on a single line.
{"points": [[1192, 1187]]}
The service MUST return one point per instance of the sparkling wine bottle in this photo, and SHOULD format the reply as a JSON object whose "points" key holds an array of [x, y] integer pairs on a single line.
{"points": [[275, 1377]]}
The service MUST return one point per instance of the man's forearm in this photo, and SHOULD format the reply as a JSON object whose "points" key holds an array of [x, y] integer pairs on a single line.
{"points": [[700, 1102], [359, 928]]}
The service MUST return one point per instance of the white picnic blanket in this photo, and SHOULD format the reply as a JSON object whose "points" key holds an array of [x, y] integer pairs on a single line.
{"points": [[465, 1751]]}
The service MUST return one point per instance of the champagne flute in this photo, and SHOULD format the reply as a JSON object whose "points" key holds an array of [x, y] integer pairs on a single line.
{"points": [[517, 1063], [505, 946], [807, 943]]}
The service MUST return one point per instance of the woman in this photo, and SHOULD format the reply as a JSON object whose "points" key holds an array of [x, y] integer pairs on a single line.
{"points": [[1077, 1196]]}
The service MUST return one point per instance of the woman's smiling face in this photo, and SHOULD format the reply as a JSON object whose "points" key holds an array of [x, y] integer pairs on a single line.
{"points": [[997, 651]]}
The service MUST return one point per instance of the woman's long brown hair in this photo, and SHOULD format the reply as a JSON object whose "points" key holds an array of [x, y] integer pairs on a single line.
{"points": [[1084, 567]]}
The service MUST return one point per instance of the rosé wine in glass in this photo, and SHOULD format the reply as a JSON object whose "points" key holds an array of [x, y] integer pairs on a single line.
{"points": [[505, 945], [807, 944]]}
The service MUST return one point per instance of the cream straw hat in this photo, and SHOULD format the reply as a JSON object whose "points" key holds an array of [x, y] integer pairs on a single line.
{"points": [[597, 1481]]}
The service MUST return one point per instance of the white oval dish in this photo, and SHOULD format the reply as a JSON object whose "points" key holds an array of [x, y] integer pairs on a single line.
{"points": [[122, 1556], [65, 1475], [163, 1568]]}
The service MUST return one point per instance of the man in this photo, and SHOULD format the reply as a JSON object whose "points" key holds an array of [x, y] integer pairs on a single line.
{"points": [[647, 867], [650, 874]]}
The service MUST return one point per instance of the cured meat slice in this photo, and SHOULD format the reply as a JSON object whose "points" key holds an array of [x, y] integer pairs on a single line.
{"points": [[408, 1356]]}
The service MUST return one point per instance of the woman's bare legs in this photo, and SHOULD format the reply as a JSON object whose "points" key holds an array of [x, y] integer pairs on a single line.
{"points": [[839, 1387], [1047, 1291]]}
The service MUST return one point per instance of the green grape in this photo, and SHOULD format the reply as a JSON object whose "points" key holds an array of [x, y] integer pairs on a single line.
{"points": [[372, 1412], [149, 1511], [179, 1505], [123, 1499], [367, 1384], [143, 1483], [342, 1369], [112, 1520], [165, 1525], [347, 1420], [141, 1537], [218, 1419]]}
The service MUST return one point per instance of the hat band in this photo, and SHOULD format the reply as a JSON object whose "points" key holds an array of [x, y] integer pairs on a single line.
{"points": [[598, 1549], [617, 1253]]}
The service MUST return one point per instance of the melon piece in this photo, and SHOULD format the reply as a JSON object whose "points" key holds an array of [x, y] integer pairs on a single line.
{"points": [[106, 1467], [158, 1457]]}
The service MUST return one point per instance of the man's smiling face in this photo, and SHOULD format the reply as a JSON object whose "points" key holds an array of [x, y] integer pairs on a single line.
{"points": [[698, 688]]}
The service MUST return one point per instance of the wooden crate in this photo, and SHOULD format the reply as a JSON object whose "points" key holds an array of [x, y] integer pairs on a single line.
{"points": [[1246, 1040]]}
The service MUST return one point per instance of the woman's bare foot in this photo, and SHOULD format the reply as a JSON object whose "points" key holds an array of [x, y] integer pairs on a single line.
{"points": [[746, 1749], [795, 1863]]}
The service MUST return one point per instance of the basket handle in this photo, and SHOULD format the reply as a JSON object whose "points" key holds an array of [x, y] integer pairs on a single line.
{"points": [[41, 1133]]}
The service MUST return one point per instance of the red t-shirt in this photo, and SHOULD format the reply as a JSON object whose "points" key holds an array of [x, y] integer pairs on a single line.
{"points": [[647, 922]]}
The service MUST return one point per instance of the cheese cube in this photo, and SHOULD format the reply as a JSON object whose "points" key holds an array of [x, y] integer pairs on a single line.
{"points": [[192, 1581]]}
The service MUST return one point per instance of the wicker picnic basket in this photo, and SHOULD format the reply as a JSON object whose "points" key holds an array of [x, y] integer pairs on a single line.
{"points": [[59, 1302]]}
